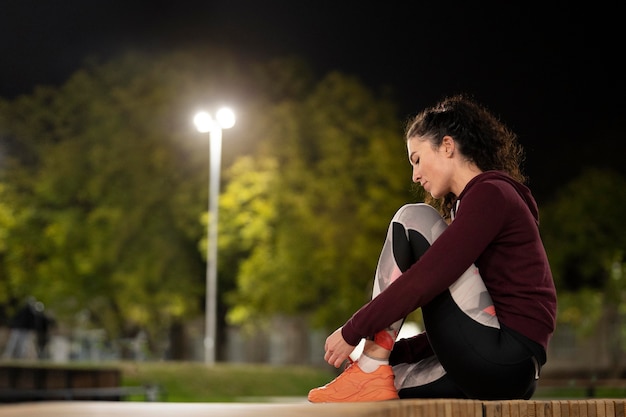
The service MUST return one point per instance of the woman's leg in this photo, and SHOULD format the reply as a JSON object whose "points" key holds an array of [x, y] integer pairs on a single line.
{"points": [[371, 378], [475, 358], [485, 362], [411, 232]]}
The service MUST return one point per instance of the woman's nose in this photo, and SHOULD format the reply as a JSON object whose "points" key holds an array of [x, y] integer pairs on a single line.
{"points": [[416, 176]]}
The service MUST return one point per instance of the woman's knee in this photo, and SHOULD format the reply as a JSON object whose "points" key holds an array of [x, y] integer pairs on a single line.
{"points": [[422, 218]]}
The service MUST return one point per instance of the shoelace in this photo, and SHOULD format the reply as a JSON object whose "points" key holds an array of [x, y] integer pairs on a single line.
{"points": [[346, 366]]}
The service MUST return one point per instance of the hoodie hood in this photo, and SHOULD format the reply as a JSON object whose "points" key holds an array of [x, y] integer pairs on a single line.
{"points": [[522, 190]]}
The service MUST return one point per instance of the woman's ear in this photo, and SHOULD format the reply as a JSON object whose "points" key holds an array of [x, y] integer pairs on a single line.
{"points": [[448, 145]]}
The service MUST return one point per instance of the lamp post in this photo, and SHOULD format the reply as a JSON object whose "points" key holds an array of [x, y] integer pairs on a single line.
{"points": [[224, 119]]}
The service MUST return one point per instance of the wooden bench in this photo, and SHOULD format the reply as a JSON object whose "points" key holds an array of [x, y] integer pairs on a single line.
{"points": [[148, 393], [20, 383], [512, 408], [555, 408], [394, 408]]}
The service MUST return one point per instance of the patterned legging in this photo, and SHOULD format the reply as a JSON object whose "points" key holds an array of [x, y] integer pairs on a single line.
{"points": [[475, 355]]}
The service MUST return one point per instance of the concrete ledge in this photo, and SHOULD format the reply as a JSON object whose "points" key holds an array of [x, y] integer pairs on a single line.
{"points": [[395, 408]]}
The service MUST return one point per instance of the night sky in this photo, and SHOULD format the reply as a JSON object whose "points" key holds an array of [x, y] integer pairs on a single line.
{"points": [[553, 73]]}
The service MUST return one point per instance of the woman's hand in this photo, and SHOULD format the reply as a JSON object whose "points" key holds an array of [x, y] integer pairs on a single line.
{"points": [[337, 349]]}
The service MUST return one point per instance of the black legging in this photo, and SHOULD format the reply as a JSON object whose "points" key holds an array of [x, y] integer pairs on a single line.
{"points": [[481, 362]]}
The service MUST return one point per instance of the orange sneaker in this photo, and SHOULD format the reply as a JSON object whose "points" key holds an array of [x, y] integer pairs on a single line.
{"points": [[354, 385]]}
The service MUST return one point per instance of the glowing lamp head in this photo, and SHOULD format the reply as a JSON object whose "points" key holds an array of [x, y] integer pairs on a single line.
{"points": [[224, 119]]}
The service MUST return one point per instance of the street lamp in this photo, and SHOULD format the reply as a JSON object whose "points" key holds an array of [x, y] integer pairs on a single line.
{"points": [[224, 119]]}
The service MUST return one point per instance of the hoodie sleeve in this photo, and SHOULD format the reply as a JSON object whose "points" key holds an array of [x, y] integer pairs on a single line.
{"points": [[479, 219]]}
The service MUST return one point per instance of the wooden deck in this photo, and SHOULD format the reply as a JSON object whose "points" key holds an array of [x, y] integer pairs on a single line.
{"points": [[395, 408]]}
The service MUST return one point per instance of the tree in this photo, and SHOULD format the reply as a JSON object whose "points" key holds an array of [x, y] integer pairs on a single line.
{"points": [[312, 209], [104, 190], [583, 228], [583, 231]]}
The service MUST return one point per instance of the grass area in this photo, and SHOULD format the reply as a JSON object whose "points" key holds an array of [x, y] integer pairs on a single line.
{"points": [[197, 382]]}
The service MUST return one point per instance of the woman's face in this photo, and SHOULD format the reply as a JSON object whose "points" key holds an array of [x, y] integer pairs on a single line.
{"points": [[431, 167]]}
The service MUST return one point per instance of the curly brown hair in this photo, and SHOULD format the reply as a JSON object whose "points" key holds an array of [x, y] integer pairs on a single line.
{"points": [[479, 135]]}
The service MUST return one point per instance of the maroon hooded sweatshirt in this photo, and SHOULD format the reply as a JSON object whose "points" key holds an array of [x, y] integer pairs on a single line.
{"points": [[496, 227]]}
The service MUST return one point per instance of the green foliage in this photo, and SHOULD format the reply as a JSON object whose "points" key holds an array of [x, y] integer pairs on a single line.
{"points": [[103, 189], [583, 231], [312, 209], [582, 309]]}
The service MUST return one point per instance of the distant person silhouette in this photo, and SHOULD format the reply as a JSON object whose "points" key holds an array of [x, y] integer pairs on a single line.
{"points": [[43, 325], [22, 329]]}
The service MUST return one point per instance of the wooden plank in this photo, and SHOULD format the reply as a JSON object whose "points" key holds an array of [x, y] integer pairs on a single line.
{"points": [[492, 409], [564, 406], [573, 408], [582, 408], [591, 408], [55, 379], [515, 408], [459, 408], [430, 408], [475, 409], [26, 378], [478, 409], [620, 408], [555, 407], [6, 380], [420, 409], [600, 409], [610, 408], [539, 407], [442, 408]]}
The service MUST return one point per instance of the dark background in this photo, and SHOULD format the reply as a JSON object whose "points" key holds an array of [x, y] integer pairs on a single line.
{"points": [[554, 73]]}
